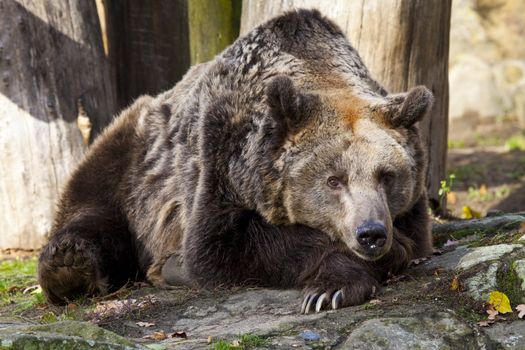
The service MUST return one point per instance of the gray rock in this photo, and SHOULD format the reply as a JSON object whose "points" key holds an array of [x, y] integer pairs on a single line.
{"points": [[289, 342], [486, 60], [519, 267], [63, 335], [261, 312], [481, 284], [507, 335], [478, 227], [438, 331], [473, 89], [310, 335], [449, 260], [487, 253]]}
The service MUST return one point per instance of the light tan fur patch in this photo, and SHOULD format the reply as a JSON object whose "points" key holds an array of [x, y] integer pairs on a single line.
{"points": [[349, 107]]}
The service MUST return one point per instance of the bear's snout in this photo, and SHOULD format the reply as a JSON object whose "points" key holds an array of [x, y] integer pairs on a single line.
{"points": [[372, 236]]}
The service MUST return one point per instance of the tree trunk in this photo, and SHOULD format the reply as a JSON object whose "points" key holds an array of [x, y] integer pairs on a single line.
{"points": [[152, 43], [214, 24], [54, 79], [404, 43], [148, 45]]}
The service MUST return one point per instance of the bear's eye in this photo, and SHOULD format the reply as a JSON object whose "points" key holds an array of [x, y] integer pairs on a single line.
{"points": [[387, 177], [334, 182]]}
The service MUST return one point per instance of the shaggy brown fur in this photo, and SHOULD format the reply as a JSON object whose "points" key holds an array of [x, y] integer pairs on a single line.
{"points": [[281, 163]]}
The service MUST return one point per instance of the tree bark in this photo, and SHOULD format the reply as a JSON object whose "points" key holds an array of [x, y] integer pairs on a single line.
{"points": [[151, 44], [148, 45], [54, 78], [214, 24], [404, 43]]}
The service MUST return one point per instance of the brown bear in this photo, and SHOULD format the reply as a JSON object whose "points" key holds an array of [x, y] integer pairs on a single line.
{"points": [[280, 163]]}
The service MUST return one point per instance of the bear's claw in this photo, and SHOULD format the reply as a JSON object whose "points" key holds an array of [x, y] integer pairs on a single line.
{"points": [[321, 300], [337, 299]]}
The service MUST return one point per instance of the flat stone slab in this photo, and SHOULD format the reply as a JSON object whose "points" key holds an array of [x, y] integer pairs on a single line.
{"points": [[263, 312], [509, 336], [488, 253], [519, 267], [448, 260], [438, 331], [483, 226], [64, 335], [260, 311], [481, 284]]}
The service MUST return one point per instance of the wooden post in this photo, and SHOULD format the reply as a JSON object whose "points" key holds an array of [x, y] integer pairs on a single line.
{"points": [[404, 43], [54, 79], [214, 24], [147, 43], [151, 44]]}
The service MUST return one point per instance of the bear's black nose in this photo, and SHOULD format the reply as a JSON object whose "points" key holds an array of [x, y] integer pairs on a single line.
{"points": [[371, 236]]}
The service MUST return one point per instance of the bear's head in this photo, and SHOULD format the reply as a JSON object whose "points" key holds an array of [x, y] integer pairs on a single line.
{"points": [[350, 164]]}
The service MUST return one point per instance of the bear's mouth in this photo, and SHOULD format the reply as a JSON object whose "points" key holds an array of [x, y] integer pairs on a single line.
{"points": [[368, 255]]}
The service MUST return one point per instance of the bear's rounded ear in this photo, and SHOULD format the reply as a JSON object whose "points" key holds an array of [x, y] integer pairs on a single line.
{"points": [[406, 109], [288, 107]]}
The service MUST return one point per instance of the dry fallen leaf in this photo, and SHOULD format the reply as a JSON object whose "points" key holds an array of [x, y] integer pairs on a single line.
{"points": [[32, 289], [454, 285], [395, 279], [83, 123], [450, 243], [492, 313], [469, 213], [500, 302], [418, 261], [71, 307], [438, 271], [160, 335], [452, 198], [485, 323], [483, 190], [375, 302], [117, 308], [145, 324], [210, 339], [521, 309]]}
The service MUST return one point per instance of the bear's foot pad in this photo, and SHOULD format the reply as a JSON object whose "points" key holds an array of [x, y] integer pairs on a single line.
{"points": [[69, 254], [68, 268]]}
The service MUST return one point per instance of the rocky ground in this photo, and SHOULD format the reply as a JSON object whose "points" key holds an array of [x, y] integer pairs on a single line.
{"points": [[440, 303]]}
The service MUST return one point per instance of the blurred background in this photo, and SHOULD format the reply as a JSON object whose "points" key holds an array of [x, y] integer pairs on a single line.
{"points": [[486, 137], [68, 67]]}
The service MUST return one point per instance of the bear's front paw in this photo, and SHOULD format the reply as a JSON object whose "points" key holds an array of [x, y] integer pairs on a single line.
{"points": [[319, 298], [68, 269]]}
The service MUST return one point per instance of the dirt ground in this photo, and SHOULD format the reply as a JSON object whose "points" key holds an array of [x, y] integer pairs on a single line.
{"points": [[487, 161]]}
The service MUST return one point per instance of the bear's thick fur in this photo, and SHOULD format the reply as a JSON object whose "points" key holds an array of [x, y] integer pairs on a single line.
{"points": [[280, 163]]}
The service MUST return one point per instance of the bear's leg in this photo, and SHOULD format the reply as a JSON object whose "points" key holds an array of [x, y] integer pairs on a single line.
{"points": [[236, 246], [89, 255], [415, 225]]}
